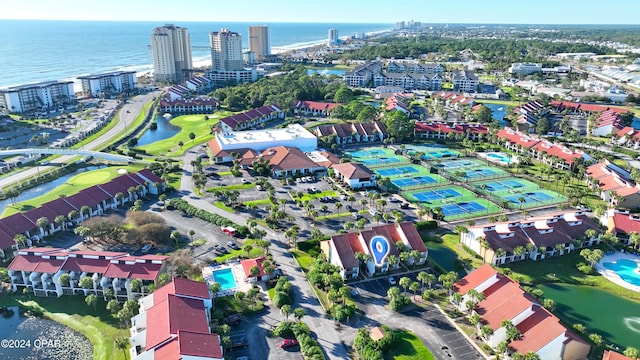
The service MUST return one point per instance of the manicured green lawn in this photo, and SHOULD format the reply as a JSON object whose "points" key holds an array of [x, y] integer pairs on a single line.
{"points": [[73, 186], [222, 206], [98, 325], [407, 346], [309, 197], [257, 202], [188, 124], [231, 187], [303, 259]]}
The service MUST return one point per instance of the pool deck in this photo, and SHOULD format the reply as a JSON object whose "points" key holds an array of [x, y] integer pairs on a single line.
{"points": [[612, 275], [238, 273]]}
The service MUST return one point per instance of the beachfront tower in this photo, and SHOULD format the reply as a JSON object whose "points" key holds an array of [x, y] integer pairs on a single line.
{"points": [[171, 52], [333, 37], [226, 51], [259, 42]]}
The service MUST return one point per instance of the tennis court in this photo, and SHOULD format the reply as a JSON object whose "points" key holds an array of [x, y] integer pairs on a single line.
{"points": [[534, 198], [413, 181], [382, 161], [475, 174], [368, 153], [437, 196], [433, 152], [395, 171], [457, 164], [511, 185], [468, 208]]}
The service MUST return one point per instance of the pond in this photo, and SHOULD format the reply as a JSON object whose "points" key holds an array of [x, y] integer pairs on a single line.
{"points": [[41, 338], [616, 319], [164, 131], [44, 188], [499, 111], [635, 123], [326, 72]]}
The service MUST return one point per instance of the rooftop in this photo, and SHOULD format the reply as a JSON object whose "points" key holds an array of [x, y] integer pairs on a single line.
{"points": [[291, 132]]}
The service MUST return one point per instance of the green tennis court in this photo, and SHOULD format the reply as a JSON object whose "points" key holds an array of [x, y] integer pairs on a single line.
{"points": [[406, 170], [438, 196], [505, 186], [477, 173]]}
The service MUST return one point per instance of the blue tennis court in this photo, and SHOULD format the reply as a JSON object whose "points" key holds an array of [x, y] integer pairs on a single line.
{"points": [[378, 161], [461, 208], [366, 153], [413, 181], [482, 172], [504, 185], [433, 195], [397, 171], [530, 197], [456, 164]]}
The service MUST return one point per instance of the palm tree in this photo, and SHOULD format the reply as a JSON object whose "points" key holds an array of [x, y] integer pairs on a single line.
{"points": [[247, 249], [299, 313], [65, 279], [175, 236], [363, 203], [414, 287], [404, 282], [85, 211], [43, 223], [215, 288], [73, 215], [338, 206], [20, 240], [91, 300], [119, 198], [61, 221], [191, 233], [122, 344]]}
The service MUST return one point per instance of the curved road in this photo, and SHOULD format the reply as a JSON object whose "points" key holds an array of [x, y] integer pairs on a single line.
{"points": [[128, 112], [303, 296]]}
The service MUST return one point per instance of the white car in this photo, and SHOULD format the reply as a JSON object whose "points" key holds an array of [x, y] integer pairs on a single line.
{"points": [[392, 280], [146, 248]]}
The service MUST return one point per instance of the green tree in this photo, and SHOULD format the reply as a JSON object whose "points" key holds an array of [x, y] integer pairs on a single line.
{"points": [[122, 344], [398, 124], [91, 300], [344, 95], [65, 279], [299, 313], [113, 306], [286, 310]]}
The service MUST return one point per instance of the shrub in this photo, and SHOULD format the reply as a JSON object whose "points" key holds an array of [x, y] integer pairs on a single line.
{"points": [[280, 299], [426, 225]]}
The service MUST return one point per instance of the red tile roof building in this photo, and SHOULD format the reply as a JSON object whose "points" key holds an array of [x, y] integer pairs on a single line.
{"points": [[354, 175], [285, 161], [251, 118], [189, 106], [341, 249], [173, 323], [248, 264], [621, 223], [348, 133], [612, 355], [39, 271], [556, 155], [439, 130], [314, 108], [541, 332], [536, 237], [616, 185]]}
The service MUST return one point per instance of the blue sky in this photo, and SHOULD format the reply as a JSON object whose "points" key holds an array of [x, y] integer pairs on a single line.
{"points": [[327, 11]]}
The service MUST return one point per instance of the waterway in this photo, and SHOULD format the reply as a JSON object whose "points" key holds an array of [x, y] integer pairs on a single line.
{"points": [[40, 339], [44, 188], [499, 112], [326, 72], [616, 319], [164, 131]]}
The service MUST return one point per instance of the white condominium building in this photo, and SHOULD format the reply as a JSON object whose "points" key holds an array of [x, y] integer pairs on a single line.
{"points": [[333, 37], [259, 41], [226, 51], [43, 96], [108, 84], [171, 52]]}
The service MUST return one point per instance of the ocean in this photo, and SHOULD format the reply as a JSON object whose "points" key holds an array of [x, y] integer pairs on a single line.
{"points": [[39, 50]]}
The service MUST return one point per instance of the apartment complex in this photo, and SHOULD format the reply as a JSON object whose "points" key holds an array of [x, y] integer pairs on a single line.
{"points": [[259, 41], [332, 38], [465, 81], [504, 300], [42, 96], [226, 50], [171, 53], [41, 270], [173, 323], [615, 184], [108, 84]]}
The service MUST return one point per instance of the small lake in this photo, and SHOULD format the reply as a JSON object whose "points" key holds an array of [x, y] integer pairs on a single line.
{"points": [[616, 319], [499, 112], [44, 188], [48, 339], [326, 72], [164, 131]]}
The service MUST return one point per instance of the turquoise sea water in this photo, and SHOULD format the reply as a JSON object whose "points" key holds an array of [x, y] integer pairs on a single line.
{"points": [[42, 50]]}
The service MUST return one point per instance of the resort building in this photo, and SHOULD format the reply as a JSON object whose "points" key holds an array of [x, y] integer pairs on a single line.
{"points": [[552, 154], [171, 53], [44, 96], [415, 68], [226, 50], [354, 175], [525, 68], [225, 144], [42, 271], [535, 238], [285, 161], [398, 102], [251, 119], [465, 81], [453, 100], [350, 133], [628, 137], [314, 108], [198, 84], [362, 76], [608, 123], [190, 106], [259, 42], [616, 185], [333, 38], [173, 323], [409, 81], [439, 130], [256, 263], [108, 84], [86, 203], [231, 76], [540, 331], [621, 223], [376, 246]]}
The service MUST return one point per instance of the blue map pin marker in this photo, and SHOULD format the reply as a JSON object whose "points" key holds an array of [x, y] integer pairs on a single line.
{"points": [[379, 249]]}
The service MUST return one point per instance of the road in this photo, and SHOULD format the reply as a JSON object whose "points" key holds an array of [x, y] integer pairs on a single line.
{"points": [[303, 296], [606, 148], [128, 112]]}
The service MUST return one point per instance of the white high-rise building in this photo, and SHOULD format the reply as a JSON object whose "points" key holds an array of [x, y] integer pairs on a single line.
{"points": [[226, 51], [333, 37], [171, 52], [259, 41]]}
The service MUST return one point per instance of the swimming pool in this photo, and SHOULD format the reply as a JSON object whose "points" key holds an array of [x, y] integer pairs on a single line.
{"points": [[628, 270], [502, 157], [225, 278]]}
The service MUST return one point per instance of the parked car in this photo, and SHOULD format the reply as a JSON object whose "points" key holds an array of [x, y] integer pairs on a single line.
{"points": [[233, 245], [287, 343], [356, 215], [373, 212], [392, 280], [314, 189], [394, 199], [405, 205], [146, 248]]}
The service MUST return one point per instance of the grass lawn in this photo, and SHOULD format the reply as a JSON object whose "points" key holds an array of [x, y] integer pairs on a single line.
{"points": [[231, 187], [303, 259], [188, 124], [257, 202], [98, 325], [222, 206], [309, 197], [73, 186], [333, 216], [407, 346], [224, 173]]}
